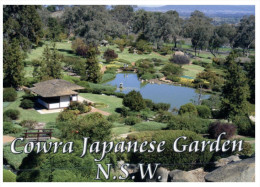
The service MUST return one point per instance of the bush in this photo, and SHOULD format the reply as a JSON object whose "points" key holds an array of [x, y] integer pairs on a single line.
{"points": [[171, 159], [134, 101], [68, 115], [203, 111], [188, 108], [216, 128], [191, 123], [75, 105], [10, 128], [93, 125], [12, 114], [26, 104], [109, 55], [161, 106], [8, 176], [29, 124], [113, 117], [244, 126], [180, 59], [132, 120], [9, 95], [172, 69], [173, 78]]}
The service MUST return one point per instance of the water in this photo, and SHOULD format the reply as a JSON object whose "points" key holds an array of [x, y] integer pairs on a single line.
{"points": [[165, 93]]}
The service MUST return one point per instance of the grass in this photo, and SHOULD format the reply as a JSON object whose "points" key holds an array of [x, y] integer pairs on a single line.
{"points": [[8, 176], [192, 70], [111, 101], [132, 57], [15, 160], [30, 114], [148, 126]]}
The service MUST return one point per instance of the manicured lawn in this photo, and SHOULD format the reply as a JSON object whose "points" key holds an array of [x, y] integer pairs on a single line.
{"points": [[30, 114], [121, 130], [192, 70], [111, 101]]}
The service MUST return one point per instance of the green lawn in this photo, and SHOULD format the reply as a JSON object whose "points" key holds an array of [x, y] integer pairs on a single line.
{"points": [[192, 70], [148, 126], [111, 101], [30, 114]]}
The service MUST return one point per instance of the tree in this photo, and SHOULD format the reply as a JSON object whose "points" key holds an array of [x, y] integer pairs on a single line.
{"points": [[50, 65], [199, 28], [110, 55], [79, 47], [55, 29], [13, 64], [93, 73], [235, 91], [23, 23], [134, 101], [246, 33], [180, 59], [250, 68]]}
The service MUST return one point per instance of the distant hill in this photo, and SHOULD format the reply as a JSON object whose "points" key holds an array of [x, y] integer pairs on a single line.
{"points": [[209, 10]]}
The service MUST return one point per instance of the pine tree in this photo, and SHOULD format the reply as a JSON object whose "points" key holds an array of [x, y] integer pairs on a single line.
{"points": [[235, 91], [50, 65], [13, 64], [93, 73]]}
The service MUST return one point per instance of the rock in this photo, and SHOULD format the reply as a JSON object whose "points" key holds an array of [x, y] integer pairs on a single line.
{"points": [[179, 53], [132, 168], [224, 161], [240, 171], [182, 176], [161, 175]]}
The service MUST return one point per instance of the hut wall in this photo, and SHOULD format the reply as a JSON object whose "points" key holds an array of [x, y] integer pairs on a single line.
{"points": [[54, 105], [74, 98], [64, 101]]}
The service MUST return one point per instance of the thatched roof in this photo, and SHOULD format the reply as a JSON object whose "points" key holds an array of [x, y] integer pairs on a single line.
{"points": [[55, 87]]}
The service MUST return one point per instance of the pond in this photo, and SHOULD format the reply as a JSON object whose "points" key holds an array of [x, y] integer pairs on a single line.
{"points": [[158, 93]]}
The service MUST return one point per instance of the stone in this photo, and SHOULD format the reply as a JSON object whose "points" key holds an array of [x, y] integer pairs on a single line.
{"points": [[240, 171], [182, 176], [224, 161]]}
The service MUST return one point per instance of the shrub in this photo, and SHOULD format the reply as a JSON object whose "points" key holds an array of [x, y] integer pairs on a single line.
{"points": [[9, 94], [132, 120], [26, 104], [93, 125], [124, 112], [75, 105], [109, 55], [188, 108], [10, 128], [169, 158], [216, 128], [203, 111], [12, 114], [173, 78], [172, 69], [8, 176], [161, 106], [29, 124], [191, 123], [180, 59], [134, 101], [67, 115], [244, 126], [113, 117]]}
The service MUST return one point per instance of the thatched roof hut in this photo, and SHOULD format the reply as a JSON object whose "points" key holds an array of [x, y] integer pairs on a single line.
{"points": [[56, 93]]}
